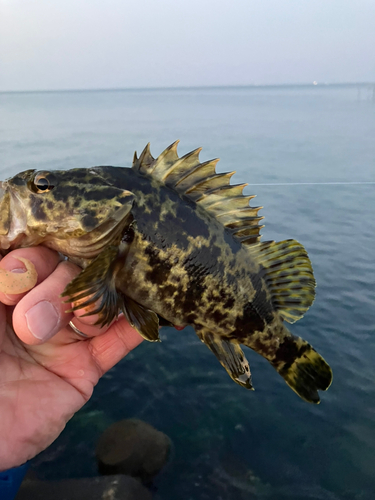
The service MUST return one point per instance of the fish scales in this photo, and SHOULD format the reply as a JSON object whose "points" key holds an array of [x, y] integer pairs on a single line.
{"points": [[184, 262], [171, 242]]}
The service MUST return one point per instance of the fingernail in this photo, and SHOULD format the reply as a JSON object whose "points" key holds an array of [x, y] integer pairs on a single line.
{"points": [[42, 320]]}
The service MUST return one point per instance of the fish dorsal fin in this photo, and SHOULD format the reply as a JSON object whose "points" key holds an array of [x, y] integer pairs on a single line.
{"points": [[200, 183], [289, 276]]}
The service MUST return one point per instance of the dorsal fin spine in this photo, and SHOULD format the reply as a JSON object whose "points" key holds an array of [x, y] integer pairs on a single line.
{"points": [[237, 202], [238, 224], [217, 181], [168, 155], [192, 157], [216, 195], [200, 167], [142, 164]]}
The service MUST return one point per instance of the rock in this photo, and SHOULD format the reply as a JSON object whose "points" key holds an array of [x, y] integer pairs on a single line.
{"points": [[132, 447], [91, 488]]}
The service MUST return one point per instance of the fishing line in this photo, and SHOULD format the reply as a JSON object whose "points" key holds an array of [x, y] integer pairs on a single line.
{"points": [[315, 183]]}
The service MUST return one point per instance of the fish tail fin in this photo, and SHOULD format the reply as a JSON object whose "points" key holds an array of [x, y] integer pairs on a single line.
{"points": [[302, 368], [307, 373]]}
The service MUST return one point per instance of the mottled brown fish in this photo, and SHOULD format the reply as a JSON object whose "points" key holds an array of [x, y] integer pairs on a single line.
{"points": [[171, 242]]}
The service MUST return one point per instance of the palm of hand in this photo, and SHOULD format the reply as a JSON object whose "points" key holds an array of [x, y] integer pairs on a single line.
{"points": [[42, 384], [50, 386]]}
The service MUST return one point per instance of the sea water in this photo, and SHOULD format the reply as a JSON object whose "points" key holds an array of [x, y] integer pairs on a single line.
{"points": [[229, 443]]}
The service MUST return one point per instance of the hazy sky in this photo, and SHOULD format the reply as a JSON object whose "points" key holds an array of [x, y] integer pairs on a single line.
{"points": [[65, 44]]}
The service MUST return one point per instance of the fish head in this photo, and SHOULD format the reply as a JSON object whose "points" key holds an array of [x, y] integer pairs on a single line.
{"points": [[76, 212]]}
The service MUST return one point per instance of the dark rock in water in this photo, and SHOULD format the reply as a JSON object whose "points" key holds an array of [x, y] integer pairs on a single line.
{"points": [[132, 447], [92, 488]]}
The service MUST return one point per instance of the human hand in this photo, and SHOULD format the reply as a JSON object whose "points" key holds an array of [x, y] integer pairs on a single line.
{"points": [[47, 371]]}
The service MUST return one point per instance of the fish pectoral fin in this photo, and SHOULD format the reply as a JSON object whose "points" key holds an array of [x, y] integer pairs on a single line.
{"points": [[94, 289], [288, 275], [230, 356], [145, 321]]}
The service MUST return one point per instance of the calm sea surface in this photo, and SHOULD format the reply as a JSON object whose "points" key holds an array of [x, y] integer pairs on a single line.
{"points": [[230, 443]]}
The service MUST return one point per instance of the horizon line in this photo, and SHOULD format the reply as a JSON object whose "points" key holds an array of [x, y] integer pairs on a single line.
{"points": [[192, 87]]}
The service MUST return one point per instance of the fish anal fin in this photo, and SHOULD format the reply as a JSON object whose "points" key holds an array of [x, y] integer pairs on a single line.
{"points": [[200, 183], [289, 276], [230, 356]]}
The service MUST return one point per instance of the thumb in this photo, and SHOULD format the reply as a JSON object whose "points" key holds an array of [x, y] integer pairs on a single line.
{"points": [[41, 314]]}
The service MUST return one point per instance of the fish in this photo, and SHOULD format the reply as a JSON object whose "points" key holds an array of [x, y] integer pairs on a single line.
{"points": [[171, 242]]}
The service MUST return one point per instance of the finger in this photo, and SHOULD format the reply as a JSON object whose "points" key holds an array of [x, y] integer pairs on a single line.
{"points": [[87, 329], [41, 314], [109, 348], [44, 260]]}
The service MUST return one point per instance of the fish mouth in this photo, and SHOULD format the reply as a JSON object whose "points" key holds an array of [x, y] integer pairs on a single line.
{"points": [[4, 214], [4, 189], [12, 218]]}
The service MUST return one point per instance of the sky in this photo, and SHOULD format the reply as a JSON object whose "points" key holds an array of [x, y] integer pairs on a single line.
{"points": [[90, 44]]}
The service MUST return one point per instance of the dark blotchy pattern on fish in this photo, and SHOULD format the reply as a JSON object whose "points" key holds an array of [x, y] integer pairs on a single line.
{"points": [[172, 239]]}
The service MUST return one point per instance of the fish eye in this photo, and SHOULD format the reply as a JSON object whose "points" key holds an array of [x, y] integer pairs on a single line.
{"points": [[42, 183]]}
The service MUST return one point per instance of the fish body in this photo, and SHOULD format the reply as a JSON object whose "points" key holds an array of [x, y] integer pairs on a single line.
{"points": [[169, 241]]}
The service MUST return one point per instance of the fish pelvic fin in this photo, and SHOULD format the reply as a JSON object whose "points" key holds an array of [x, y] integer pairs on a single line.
{"points": [[145, 321], [230, 356]]}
